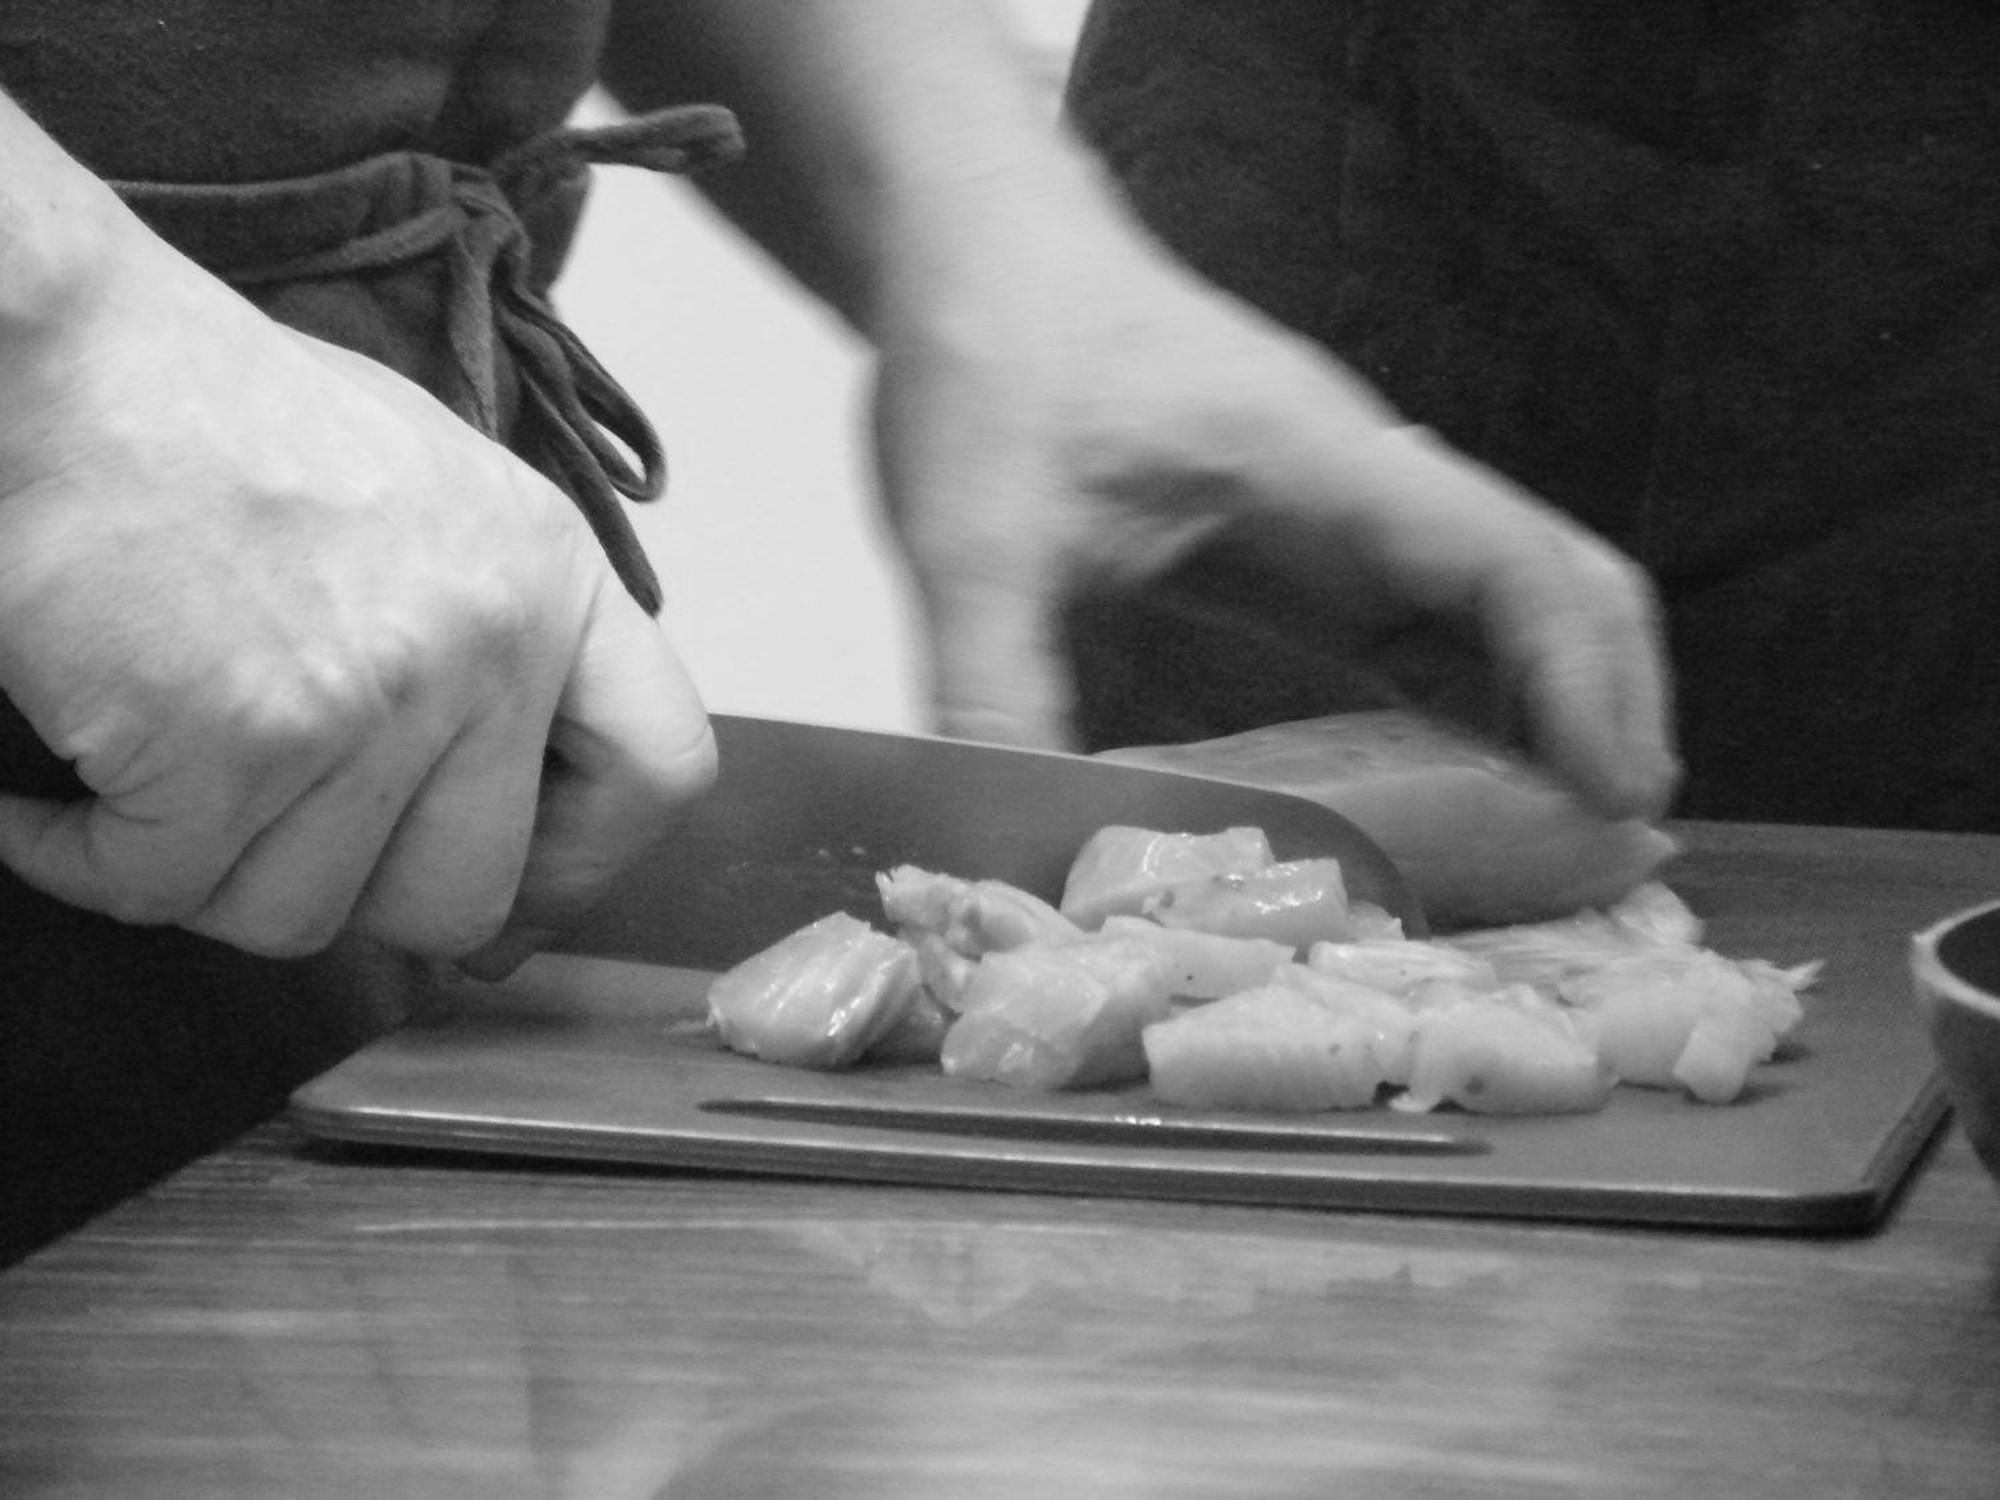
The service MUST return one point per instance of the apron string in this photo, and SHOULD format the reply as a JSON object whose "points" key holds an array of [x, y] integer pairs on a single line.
{"points": [[574, 422]]}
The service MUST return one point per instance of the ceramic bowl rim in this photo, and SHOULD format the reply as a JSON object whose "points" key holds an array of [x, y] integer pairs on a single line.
{"points": [[1931, 973]]}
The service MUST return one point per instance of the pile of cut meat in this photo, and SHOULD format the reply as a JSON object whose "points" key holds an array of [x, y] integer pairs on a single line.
{"points": [[1230, 980]]}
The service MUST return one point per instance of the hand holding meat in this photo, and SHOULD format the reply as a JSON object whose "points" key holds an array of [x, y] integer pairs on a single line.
{"points": [[1080, 412]]}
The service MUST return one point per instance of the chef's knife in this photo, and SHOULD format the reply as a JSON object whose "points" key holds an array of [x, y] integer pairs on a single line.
{"points": [[803, 816]]}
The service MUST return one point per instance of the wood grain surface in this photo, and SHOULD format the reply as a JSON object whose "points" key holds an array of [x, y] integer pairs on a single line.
{"points": [[286, 1320]]}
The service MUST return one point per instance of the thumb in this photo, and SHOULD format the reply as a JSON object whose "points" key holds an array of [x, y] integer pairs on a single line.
{"points": [[997, 673], [630, 746]]}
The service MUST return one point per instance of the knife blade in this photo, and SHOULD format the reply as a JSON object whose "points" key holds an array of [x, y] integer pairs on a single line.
{"points": [[803, 816]]}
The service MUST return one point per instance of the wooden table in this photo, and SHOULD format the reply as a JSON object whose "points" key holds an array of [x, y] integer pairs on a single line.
{"points": [[282, 1321]]}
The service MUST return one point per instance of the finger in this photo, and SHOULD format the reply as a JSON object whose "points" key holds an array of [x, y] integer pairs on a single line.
{"points": [[151, 853], [1572, 623], [630, 745], [86, 854], [997, 673], [296, 884], [446, 875], [1594, 687]]}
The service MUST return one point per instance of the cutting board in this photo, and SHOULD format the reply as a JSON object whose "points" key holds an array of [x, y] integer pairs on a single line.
{"points": [[602, 1056]]}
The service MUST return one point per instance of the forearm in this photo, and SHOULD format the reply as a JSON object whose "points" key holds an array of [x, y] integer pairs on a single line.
{"points": [[885, 135]]}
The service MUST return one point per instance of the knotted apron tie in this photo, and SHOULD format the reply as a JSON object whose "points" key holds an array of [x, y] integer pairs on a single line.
{"points": [[443, 270]]}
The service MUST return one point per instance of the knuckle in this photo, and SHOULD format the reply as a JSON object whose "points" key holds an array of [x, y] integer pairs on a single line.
{"points": [[496, 619], [498, 605], [322, 702], [1598, 581], [483, 624], [285, 715]]}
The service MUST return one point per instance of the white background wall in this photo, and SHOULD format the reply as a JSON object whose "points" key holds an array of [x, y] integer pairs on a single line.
{"points": [[780, 594]]}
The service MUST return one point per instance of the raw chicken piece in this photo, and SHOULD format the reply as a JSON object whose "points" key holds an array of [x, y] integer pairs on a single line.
{"points": [[918, 1036], [817, 998], [1399, 965], [945, 972], [1389, 1023], [1545, 953], [1685, 1018], [1122, 869], [1509, 1052], [1204, 965], [1373, 924], [1271, 1048], [1652, 912], [1662, 1011], [1056, 1017], [1720, 1052], [1299, 903], [953, 922], [972, 916]]}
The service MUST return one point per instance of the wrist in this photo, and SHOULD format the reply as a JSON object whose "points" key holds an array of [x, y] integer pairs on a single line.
{"points": [[62, 232], [964, 254], [890, 140]]}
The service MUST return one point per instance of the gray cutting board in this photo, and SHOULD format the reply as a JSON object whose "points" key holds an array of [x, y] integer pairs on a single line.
{"points": [[602, 1056]]}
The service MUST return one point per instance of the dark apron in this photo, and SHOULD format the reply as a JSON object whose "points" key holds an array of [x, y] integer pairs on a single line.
{"points": [[1720, 279], [126, 1050]]}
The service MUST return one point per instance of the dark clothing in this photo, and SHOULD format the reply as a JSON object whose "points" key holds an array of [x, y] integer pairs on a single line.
{"points": [[1721, 280], [394, 178], [260, 90]]}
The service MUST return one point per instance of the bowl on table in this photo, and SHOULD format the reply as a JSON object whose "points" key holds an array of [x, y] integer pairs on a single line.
{"points": [[1955, 966]]}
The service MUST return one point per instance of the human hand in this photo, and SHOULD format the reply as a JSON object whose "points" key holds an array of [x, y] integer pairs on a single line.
{"points": [[327, 659], [1070, 409]]}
